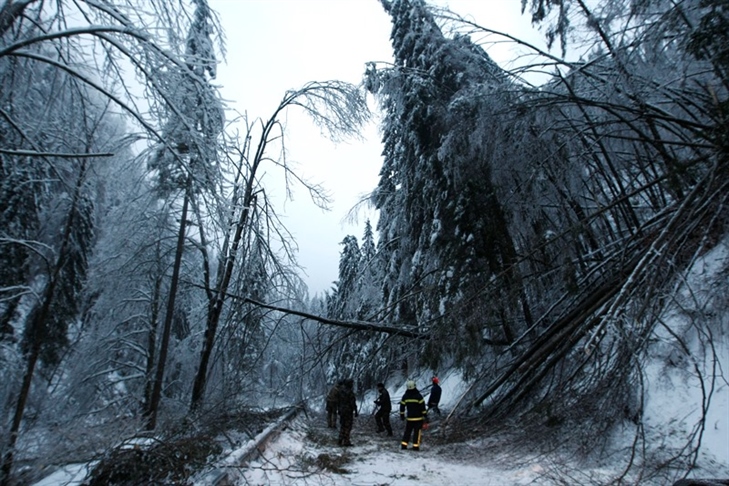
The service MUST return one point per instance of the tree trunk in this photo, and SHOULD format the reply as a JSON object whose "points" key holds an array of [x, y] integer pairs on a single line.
{"points": [[151, 412], [35, 333], [18, 416], [216, 309], [152, 344], [198, 388]]}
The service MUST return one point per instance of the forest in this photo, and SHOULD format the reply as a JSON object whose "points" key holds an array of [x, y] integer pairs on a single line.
{"points": [[535, 228]]}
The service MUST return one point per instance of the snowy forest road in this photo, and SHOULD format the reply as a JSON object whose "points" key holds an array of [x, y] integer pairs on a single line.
{"points": [[306, 453]]}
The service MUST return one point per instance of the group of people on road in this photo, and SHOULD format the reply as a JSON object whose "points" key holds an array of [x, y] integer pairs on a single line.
{"points": [[414, 411]]}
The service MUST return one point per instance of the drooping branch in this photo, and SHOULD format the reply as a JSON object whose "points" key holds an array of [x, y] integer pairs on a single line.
{"points": [[337, 107], [33, 153], [675, 239], [356, 325], [359, 325]]}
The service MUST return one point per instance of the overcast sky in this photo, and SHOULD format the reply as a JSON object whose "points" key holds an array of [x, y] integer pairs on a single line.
{"points": [[277, 45]]}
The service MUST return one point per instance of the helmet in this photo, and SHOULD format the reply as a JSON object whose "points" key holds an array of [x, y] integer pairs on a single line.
{"points": [[436, 380], [410, 385]]}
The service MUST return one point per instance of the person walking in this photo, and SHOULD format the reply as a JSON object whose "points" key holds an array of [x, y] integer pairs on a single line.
{"points": [[434, 397], [332, 401], [347, 406], [382, 416], [414, 413]]}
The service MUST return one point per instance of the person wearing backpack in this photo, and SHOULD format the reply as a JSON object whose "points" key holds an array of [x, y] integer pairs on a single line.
{"points": [[332, 401], [347, 406], [414, 413]]}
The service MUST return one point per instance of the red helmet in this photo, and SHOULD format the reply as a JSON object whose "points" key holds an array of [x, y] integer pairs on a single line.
{"points": [[436, 380]]}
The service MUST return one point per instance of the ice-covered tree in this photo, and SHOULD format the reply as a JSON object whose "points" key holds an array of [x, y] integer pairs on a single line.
{"points": [[63, 84], [443, 231], [369, 279], [53, 236], [346, 285], [187, 160], [340, 109], [611, 188]]}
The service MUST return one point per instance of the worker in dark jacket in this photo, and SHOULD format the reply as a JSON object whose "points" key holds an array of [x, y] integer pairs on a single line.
{"points": [[347, 406], [434, 397], [414, 404], [382, 416], [331, 405]]}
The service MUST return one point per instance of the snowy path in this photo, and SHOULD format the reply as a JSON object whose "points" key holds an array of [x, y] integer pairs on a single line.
{"points": [[307, 454]]}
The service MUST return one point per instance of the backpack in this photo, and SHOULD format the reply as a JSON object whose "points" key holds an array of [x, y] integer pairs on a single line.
{"points": [[333, 395]]}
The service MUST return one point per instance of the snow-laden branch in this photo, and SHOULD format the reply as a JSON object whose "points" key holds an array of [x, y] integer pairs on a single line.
{"points": [[94, 29], [34, 153], [357, 325]]}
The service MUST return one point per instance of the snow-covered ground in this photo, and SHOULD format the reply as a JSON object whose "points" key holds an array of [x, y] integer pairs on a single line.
{"points": [[294, 459], [678, 385], [307, 454]]}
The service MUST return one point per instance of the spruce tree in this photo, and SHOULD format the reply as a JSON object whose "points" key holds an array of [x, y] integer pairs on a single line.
{"points": [[349, 269], [369, 280], [443, 231]]}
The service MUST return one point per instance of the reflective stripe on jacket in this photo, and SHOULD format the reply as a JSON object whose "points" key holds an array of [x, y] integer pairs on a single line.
{"points": [[413, 402]]}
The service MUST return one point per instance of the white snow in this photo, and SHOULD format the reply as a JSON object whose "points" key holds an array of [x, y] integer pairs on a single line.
{"points": [[671, 409], [296, 458], [306, 453], [69, 475], [288, 462]]}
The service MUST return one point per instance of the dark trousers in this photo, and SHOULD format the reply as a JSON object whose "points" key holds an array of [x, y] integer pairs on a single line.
{"points": [[332, 415], [412, 428], [345, 428], [382, 419]]}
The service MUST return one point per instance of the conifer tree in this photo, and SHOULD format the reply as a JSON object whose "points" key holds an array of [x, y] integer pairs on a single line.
{"points": [[369, 280], [349, 269], [45, 331], [443, 231]]}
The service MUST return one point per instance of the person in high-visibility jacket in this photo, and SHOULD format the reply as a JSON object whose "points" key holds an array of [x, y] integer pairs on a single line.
{"points": [[414, 404]]}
